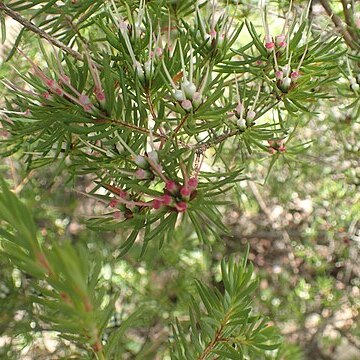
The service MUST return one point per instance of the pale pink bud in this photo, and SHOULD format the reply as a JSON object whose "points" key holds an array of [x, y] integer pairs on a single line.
{"points": [[272, 150], [279, 75], [239, 108], [196, 99], [269, 45], [159, 51], [142, 174], [279, 39], [186, 105], [84, 99], [294, 75], [117, 215], [65, 79], [282, 148], [250, 115], [212, 33]]}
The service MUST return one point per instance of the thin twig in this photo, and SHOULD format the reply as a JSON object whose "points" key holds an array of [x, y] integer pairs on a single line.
{"points": [[349, 20], [32, 27], [338, 23]]}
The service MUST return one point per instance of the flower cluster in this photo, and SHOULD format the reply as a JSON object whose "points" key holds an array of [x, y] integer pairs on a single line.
{"points": [[175, 197], [188, 95], [62, 87], [276, 146], [286, 75], [245, 116]]}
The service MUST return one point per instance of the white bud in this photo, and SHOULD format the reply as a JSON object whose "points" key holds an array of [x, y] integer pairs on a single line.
{"points": [[355, 87], [286, 70], [153, 155], [119, 148], [109, 154], [352, 80], [179, 95], [241, 123], [189, 89], [141, 162], [286, 82], [148, 69], [139, 71]]}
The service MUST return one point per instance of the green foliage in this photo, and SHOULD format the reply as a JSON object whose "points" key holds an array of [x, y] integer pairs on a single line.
{"points": [[222, 325]]}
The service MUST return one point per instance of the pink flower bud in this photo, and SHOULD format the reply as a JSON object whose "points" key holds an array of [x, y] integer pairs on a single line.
{"points": [[84, 99], [4, 133], [294, 75], [250, 115], [123, 194], [46, 95], [100, 95], [280, 40], [269, 45], [117, 215], [142, 174], [51, 83], [196, 99], [167, 200], [181, 206], [156, 204], [159, 51], [59, 91], [239, 108], [185, 192], [193, 183], [171, 186], [272, 150], [65, 79], [212, 33], [186, 105], [279, 75], [282, 148], [113, 203]]}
